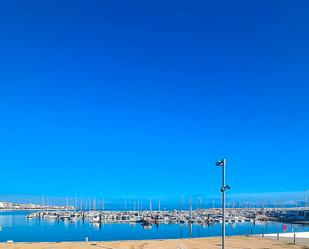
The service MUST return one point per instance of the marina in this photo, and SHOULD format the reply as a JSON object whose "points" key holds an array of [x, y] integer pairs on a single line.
{"points": [[198, 216], [53, 226], [149, 217]]}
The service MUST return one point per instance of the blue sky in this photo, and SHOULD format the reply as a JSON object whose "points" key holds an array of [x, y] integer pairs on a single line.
{"points": [[140, 98]]}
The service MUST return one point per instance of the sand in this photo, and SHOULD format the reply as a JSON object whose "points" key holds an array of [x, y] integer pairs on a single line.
{"points": [[200, 243]]}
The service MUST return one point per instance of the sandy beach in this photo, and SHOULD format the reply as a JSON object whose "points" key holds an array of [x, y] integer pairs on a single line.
{"points": [[200, 243]]}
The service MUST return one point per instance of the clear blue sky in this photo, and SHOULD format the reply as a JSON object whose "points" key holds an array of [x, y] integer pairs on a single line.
{"points": [[140, 98]]}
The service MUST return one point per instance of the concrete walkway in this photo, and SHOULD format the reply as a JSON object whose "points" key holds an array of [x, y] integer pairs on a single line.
{"points": [[199, 243], [301, 238]]}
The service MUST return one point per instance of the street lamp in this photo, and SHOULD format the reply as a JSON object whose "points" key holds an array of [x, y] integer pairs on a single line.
{"points": [[222, 163]]}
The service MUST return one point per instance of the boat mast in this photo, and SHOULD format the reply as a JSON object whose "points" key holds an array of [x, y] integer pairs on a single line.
{"points": [[66, 204], [190, 208]]}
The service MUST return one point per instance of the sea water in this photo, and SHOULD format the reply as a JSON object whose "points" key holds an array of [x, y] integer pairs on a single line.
{"points": [[16, 227]]}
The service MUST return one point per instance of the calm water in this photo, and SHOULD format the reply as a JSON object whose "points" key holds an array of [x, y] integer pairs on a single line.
{"points": [[16, 227]]}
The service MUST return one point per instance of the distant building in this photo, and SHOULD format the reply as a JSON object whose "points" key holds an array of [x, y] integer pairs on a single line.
{"points": [[30, 206], [6, 205], [17, 206]]}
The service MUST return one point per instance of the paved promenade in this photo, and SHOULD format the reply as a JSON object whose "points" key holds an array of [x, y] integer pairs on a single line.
{"points": [[301, 238], [200, 243]]}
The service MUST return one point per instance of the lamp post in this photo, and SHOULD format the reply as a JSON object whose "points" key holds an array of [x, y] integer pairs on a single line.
{"points": [[222, 163]]}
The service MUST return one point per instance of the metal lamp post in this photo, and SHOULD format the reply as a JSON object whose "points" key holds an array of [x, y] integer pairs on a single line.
{"points": [[222, 163]]}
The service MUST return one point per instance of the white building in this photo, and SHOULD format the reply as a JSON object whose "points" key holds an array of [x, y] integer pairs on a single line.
{"points": [[6, 205]]}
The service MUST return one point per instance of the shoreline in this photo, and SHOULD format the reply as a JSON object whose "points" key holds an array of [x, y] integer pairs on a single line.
{"points": [[304, 235], [185, 243], [125, 241]]}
